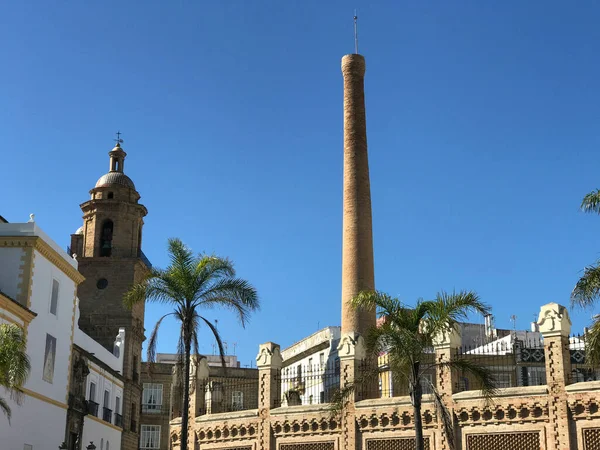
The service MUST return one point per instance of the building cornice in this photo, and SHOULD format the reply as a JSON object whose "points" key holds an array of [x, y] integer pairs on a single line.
{"points": [[46, 250], [16, 309]]}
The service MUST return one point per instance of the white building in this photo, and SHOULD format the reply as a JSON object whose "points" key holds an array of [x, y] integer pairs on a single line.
{"points": [[104, 386], [38, 286], [310, 371], [39, 283]]}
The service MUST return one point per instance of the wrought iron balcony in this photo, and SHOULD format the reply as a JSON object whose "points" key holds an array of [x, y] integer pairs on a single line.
{"points": [[118, 420], [92, 408], [106, 414]]}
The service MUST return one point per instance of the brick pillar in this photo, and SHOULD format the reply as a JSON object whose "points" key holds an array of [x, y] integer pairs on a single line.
{"points": [[357, 235], [269, 363], [555, 326], [446, 380], [351, 351]]}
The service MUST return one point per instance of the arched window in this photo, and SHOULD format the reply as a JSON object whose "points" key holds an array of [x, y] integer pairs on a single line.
{"points": [[106, 236], [102, 444]]}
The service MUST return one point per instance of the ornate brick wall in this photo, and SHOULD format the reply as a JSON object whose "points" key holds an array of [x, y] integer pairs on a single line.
{"points": [[504, 441], [394, 444]]}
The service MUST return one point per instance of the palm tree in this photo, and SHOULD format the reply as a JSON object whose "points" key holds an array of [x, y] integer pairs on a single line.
{"points": [[14, 364], [587, 290], [189, 284], [407, 336]]}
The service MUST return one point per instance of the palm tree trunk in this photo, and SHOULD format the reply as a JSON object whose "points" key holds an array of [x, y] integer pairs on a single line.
{"points": [[186, 390], [417, 398]]}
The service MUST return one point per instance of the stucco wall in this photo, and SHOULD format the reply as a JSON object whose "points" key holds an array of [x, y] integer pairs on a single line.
{"points": [[35, 422], [100, 434]]}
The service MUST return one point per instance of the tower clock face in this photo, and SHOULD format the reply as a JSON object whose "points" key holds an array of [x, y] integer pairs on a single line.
{"points": [[102, 283]]}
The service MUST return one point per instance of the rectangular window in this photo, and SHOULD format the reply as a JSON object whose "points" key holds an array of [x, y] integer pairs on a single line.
{"points": [[149, 437], [106, 399], [237, 400], [49, 356], [92, 395], [152, 397], [310, 365], [118, 405], [54, 298], [322, 359]]}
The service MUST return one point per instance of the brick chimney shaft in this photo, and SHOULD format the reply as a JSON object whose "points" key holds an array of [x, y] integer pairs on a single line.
{"points": [[357, 247]]}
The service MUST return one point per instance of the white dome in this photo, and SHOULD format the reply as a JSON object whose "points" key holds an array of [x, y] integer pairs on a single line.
{"points": [[79, 230]]}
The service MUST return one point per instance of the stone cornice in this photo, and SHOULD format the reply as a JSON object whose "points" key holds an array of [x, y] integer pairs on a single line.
{"points": [[46, 250]]}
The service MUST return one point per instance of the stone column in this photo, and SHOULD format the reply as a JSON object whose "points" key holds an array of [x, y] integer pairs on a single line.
{"points": [[357, 240], [269, 363], [446, 380], [351, 351], [555, 326]]}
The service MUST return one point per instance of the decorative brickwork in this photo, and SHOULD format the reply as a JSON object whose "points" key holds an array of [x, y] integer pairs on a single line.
{"points": [[504, 441], [308, 446], [591, 439], [394, 444]]}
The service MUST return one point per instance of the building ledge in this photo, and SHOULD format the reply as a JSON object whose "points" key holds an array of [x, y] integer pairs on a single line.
{"points": [[521, 391], [583, 387], [389, 401], [225, 416], [300, 409]]}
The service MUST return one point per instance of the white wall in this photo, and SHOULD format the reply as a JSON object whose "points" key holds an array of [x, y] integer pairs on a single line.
{"points": [[35, 422], [60, 326], [100, 434]]}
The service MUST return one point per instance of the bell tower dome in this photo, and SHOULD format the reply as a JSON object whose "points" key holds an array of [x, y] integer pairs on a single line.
{"points": [[110, 257]]}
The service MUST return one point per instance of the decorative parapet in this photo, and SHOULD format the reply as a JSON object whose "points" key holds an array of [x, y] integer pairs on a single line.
{"points": [[554, 320], [269, 356], [447, 339], [351, 347]]}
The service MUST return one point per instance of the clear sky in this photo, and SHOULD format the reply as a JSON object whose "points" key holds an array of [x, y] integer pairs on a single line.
{"points": [[482, 127]]}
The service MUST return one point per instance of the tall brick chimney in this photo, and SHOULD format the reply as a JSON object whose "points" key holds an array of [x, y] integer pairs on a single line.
{"points": [[357, 252]]}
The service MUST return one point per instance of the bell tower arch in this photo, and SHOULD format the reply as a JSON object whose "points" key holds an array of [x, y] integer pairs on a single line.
{"points": [[108, 248]]}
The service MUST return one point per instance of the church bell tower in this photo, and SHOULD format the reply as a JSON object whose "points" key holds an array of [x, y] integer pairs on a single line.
{"points": [[109, 251]]}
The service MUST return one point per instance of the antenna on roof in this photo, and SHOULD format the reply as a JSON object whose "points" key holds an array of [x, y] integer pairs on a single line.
{"points": [[513, 319], [355, 32]]}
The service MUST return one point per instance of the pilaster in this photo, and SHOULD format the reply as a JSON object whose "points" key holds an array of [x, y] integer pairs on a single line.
{"points": [[446, 345], [555, 326], [269, 363], [351, 351]]}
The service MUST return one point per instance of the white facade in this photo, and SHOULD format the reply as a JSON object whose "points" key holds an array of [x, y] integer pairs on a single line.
{"points": [[30, 265], [38, 286], [310, 370]]}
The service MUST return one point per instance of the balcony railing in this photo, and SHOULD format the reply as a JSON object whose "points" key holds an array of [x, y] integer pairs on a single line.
{"points": [[92, 408], [106, 414], [118, 420]]}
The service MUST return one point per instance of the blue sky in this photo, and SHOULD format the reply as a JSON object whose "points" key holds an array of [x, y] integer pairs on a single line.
{"points": [[482, 127]]}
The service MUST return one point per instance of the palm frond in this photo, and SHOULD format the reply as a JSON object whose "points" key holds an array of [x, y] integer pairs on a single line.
{"points": [[592, 343], [482, 374], [217, 336], [587, 289], [214, 267], [5, 409], [591, 202], [153, 341], [235, 294]]}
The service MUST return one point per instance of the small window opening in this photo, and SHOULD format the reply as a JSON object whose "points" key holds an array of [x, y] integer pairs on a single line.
{"points": [[111, 195], [106, 238]]}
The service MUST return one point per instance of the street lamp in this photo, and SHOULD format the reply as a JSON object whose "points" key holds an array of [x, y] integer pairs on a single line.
{"points": [[91, 446]]}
